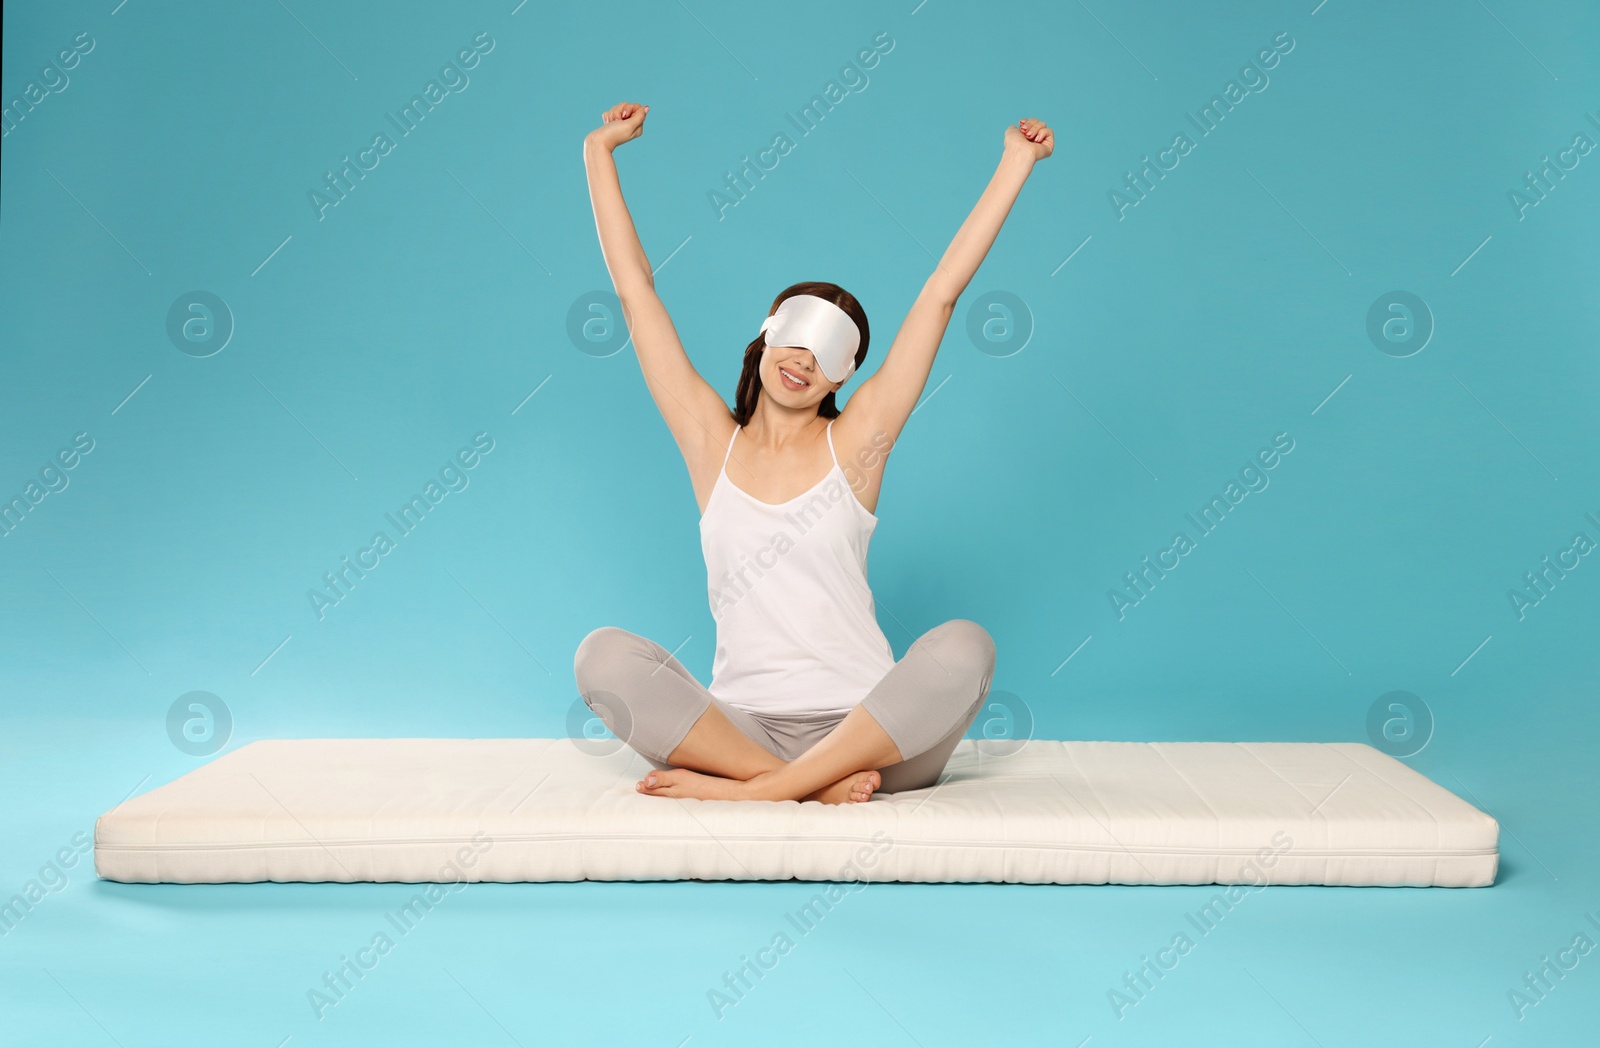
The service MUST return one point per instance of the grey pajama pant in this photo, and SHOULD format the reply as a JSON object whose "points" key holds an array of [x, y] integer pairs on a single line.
{"points": [[925, 702]]}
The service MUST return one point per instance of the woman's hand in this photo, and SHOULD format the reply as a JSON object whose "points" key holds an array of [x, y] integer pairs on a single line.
{"points": [[1032, 138], [621, 123]]}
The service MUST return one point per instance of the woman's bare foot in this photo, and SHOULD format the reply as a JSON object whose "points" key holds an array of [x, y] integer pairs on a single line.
{"points": [[852, 789], [681, 782]]}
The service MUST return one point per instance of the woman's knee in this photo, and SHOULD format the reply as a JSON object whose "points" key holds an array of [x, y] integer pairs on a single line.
{"points": [[966, 645], [602, 650], [599, 667]]}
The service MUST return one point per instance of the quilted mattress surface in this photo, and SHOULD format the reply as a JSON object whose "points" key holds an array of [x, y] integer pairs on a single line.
{"points": [[1049, 812]]}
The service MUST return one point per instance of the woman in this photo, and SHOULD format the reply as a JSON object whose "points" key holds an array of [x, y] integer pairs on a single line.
{"points": [[806, 700]]}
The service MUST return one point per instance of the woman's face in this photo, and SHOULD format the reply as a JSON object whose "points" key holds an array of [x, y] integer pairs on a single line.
{"points": [[791, 377]]}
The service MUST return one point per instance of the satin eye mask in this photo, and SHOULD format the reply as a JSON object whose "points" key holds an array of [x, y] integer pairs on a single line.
{"points": [[809, 322]]}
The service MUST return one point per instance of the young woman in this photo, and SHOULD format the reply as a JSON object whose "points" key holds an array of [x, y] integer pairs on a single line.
{"points": [[806, 701]]}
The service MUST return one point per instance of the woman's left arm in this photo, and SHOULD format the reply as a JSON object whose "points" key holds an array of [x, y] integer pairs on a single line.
{"points": [[884, 401]]}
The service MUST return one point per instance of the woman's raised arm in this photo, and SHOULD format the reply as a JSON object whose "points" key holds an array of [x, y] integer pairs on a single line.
{"points": [[884, 402], [693, 411]]}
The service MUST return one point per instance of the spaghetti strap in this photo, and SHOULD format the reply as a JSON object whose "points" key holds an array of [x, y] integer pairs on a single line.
{"points": [[730, 448], [830, 445]]}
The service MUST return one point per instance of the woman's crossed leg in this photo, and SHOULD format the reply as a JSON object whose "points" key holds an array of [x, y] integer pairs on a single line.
{"points": [[898, 738]]}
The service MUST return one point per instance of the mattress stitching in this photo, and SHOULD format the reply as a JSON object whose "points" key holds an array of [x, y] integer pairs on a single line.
{"points": [[966, 843], [1245, 746], [1424, 807], [1216, 822], [1437, 835], [1085, 780], [1095, 796]]}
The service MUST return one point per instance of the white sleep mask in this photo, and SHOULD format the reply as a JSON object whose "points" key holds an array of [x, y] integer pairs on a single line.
{"points": [[809, 322]]}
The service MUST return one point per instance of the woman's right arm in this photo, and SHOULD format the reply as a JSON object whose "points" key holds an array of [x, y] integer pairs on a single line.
{"points": [[693, 411]]}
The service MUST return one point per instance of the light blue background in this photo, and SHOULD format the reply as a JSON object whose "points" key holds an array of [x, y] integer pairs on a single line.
{"points": [[373, 342]]}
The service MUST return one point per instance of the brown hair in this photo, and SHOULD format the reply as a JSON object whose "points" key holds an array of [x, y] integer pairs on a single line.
{"points": [[749, 391]]}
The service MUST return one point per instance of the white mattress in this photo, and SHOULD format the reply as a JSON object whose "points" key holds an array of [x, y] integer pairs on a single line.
{"points": [[442, 810]]}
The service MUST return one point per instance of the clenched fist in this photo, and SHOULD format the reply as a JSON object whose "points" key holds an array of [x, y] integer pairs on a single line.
{"points": [[621, 123]]}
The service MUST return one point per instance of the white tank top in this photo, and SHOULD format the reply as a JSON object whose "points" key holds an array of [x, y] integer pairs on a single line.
{"points": [[796, 627]]}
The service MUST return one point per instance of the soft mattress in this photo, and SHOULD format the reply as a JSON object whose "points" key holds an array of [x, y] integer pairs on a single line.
{"points": [[1047, 812]]}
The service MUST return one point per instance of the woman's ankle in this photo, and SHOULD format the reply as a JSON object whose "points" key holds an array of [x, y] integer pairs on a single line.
{"points": [[765, 786]]}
